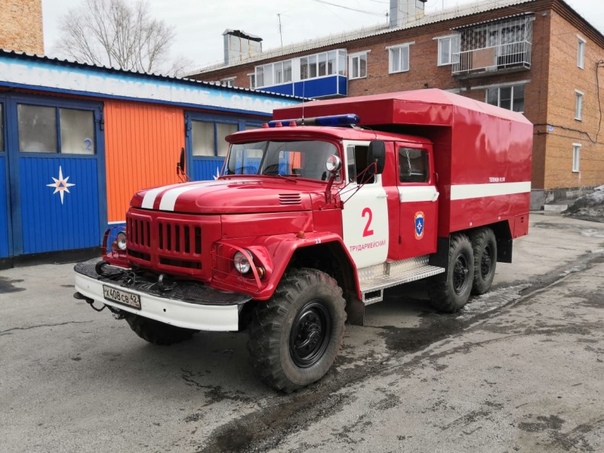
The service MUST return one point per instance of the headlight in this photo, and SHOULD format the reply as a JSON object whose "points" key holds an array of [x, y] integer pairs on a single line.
{"points": [[120, 241], [241, 263]]}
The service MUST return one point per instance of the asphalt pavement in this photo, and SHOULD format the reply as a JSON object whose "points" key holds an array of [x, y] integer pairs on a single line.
{"points": [[519, 369]]}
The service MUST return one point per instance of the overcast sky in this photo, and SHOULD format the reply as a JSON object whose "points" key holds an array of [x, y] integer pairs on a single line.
{"points": [[200, 23]]}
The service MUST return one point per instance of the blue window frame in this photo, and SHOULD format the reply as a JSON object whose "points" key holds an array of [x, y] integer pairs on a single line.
{"points": [[53, 129], [206, 144]]}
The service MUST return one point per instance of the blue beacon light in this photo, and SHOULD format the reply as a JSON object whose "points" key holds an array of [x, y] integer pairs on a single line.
{"points": [[349, 119]]}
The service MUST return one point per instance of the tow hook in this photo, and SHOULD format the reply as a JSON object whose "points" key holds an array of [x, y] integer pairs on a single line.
{"points": [[117, 314]]}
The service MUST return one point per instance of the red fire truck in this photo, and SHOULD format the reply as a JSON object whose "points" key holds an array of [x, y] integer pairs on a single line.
{"points": [[313, 217]]}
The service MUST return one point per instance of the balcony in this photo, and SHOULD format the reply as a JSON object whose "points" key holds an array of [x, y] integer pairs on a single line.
{"points": [[495, 48], [329, 86]]}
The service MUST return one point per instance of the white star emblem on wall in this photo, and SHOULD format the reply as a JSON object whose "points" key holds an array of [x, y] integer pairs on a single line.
{"points": [[61, 184]]}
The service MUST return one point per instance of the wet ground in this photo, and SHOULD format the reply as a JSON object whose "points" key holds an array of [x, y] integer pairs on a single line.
{"points": [[519, 369]]}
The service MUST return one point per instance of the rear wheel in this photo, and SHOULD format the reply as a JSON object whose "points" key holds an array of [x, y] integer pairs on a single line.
{"points": [[296, 335], [157, 332], [450, 291], [484, 245]]}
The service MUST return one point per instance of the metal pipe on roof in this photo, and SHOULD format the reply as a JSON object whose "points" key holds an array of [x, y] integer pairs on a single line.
{"points": [[403, 12]]}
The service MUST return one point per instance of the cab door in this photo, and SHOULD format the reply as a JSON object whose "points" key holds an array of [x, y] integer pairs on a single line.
{"points": [[365, 213], [418, 197]]}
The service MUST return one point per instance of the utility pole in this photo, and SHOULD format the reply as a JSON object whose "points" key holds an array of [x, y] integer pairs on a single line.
{"points": [[280, 31]]}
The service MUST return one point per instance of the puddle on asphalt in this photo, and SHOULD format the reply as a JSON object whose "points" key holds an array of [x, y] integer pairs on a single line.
{"points": [[8, 286]]}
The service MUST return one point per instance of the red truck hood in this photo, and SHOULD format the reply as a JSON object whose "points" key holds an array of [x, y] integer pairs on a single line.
{"points": [[228, 196]]}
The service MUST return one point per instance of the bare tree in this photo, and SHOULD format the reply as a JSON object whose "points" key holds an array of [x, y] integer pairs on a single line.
{"points": [[118, 34]]}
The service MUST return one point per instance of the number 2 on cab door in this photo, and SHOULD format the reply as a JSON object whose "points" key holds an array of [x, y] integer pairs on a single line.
{"points": [[369, 214]]}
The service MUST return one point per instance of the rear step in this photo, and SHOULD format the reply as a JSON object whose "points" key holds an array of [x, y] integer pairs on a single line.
{"points": [[375, 279]]}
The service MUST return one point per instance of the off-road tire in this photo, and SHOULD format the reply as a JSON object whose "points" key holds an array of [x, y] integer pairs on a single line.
{"points": [[450, 291], [158, 332], [484, 244], [296, 335]]}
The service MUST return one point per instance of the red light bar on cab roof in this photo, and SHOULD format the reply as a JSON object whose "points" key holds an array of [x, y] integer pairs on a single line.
{"points": [[349, 119]]}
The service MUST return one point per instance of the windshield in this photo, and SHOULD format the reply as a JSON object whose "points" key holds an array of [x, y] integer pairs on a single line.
{"points": [[305, 159]]}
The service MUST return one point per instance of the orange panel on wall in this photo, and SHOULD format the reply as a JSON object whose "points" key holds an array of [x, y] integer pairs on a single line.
{"points": [[142, 146]]}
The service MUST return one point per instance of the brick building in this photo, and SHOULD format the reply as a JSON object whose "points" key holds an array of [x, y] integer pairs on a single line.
{"points": [[539, 57], [21, 26]]}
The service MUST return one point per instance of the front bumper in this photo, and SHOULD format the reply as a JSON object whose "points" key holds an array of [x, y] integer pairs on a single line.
{"points": [[187, 304]]}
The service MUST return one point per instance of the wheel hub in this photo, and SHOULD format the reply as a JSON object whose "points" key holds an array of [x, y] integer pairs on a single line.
{"points": [[460, 274], [309, 335]]}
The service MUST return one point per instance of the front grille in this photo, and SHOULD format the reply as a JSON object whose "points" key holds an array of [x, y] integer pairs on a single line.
{"points": [[139, 231], [166, 244], [177, 238]]}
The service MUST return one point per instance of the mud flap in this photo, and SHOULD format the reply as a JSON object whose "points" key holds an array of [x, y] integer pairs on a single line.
{"points": [[355, 310]]}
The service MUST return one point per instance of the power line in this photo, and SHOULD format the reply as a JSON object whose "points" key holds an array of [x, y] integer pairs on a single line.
{"points": [[351, 9]]}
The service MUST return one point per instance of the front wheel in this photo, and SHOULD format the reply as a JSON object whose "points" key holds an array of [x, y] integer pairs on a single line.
{"points": [[296, 335], [450, 291]]}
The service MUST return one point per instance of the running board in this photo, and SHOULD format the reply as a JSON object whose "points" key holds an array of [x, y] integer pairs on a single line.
{"points": [[375, 279]]}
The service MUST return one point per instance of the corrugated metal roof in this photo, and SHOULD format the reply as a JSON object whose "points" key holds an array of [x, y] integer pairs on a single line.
{"points": [[142, 75], [442, 16]]}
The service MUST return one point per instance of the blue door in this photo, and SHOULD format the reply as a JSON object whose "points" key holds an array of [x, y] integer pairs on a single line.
{"points": [[5, 245], [206, 144], [57, 175]]}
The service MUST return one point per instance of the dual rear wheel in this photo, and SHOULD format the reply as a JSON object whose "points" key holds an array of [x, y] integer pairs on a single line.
{"points": [[471, 269]]}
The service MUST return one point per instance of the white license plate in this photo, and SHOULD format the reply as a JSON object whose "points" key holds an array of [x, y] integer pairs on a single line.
{"points": [[122, 297]]}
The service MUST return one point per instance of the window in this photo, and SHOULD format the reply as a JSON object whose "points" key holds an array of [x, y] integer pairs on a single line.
{"points": [[38, 130], [283, 71], [358, 66], [208, 138], [398, 58], [510, 97], [322, 64], [230, 82], [308, 67], [413, 165], [357, 161], [264, 75], [341, 62], [252, 81], [448, 50], [578, 105], [581, 52], [203, 138], [576, 157], [77, 131], [302, 158], [222, 130], [496, 45]]}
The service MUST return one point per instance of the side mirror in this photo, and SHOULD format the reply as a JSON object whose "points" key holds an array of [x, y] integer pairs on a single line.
{"points": [[180, 165], [333, 164], [377, 154]]}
